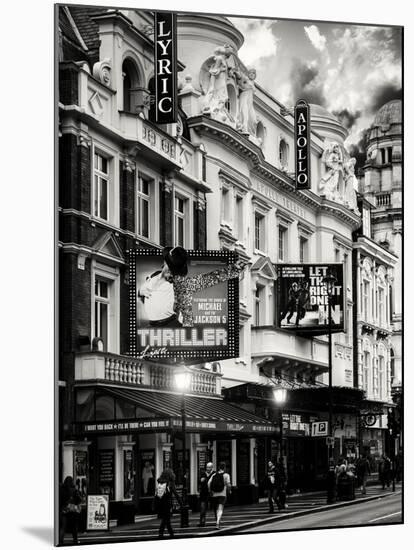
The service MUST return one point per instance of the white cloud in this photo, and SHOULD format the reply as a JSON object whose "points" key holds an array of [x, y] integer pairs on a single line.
{"points": [[317, 39], [259, 40]]}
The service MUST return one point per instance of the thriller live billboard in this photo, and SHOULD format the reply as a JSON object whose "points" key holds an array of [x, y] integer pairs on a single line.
{"points": [[190, 313], [302, 299]]}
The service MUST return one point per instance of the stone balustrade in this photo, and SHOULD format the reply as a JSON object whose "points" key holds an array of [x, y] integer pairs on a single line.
{"points": [[127, 370]]}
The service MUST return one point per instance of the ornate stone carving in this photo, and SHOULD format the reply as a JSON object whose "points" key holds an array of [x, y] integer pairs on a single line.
{"points": [[129, 164], [246, 115], [214, 74], [102, 71], [332, 182], [351, 184]]}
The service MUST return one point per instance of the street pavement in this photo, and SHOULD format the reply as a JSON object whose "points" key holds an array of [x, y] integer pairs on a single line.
{"points": [[255, 517], [375, 512]]}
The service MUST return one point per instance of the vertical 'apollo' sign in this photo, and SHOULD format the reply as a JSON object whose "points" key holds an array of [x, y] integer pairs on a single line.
{"points": [[165, 54], [302, 145]]}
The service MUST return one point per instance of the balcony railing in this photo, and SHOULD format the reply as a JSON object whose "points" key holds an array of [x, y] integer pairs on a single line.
{"points": [[384, 199], [127, 370]]}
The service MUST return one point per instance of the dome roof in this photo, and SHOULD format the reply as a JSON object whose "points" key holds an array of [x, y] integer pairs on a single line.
{"points": [[390, 113], [326, 124], [317, 111]]}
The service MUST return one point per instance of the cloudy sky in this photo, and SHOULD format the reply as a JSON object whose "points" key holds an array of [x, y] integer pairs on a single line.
{"points": [[351, 70]]}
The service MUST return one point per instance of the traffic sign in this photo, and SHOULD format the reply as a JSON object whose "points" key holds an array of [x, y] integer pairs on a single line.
{"points": [[330, 441], [319, 428]]}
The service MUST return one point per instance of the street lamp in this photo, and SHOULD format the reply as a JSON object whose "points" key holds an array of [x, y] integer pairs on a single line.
{"points": [[280, 395], [330, 281], [183, 383]]}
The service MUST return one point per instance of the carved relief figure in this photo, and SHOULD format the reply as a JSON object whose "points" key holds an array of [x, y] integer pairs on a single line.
{"points": [[351, 184], [215, 72], [332, 184], [246, 119]]}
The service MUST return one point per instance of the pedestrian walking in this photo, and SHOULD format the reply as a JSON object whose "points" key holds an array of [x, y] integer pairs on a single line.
{"points": [[164, 492], [281, 485], [220, 487], [385, 471], [70, 509], [270, 485], [363, 470], [204, 492]]}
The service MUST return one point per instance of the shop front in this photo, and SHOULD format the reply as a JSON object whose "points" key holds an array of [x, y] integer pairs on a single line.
{"points": [[305, 455], [126, 437]]}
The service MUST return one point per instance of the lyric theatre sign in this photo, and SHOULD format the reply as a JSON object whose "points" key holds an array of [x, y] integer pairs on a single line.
{"points": [[165, 56]]}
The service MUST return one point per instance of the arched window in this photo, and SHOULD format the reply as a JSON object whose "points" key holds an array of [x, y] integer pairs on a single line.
{"points": [[151, 89], [283, 153], [131, 89], [231, 103], [392, 366], [260, 132]]}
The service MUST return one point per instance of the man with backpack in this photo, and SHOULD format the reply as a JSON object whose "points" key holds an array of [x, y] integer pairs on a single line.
{"points": [[220, 486], [204, 492]]}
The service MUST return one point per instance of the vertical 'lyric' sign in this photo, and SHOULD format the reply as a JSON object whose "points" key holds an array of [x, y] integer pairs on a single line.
{"points": [[165, 55], [302, 145]]}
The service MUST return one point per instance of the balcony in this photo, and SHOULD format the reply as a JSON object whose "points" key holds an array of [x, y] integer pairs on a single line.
{"points": [[383, 200], [288, 351], [108, 367]]}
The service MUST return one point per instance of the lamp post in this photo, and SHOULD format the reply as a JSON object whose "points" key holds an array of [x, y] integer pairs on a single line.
{"points": [[183, 382], [330, 281], [280, 394]]}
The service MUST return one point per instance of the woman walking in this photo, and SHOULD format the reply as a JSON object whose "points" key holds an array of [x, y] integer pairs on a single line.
{"points": [[220, 487], [70, 500], [163, 500]]}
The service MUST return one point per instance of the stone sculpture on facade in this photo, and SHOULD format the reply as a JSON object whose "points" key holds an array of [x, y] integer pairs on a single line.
{"points": [[215, 71], [246, 118], [351, 184], [332, 182], [220, 72]]}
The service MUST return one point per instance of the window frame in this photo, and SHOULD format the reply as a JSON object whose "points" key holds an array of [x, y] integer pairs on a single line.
{"points": [[140, 197], [111, 276], [101, 176], [282, 237]]}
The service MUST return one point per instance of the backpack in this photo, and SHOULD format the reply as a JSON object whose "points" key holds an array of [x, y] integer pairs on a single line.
{"points": [[217, 483], [161, 493]]}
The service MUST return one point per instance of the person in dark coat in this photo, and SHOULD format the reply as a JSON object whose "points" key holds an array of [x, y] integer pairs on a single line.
{"points": [[69, 505], [163, 504], [385, 471], [204, 492], [292, 303], [270, 486], [280, 485], [363, 469]]}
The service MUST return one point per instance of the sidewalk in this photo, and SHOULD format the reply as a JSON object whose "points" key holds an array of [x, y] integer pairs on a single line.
{"points": [[234, 518]]}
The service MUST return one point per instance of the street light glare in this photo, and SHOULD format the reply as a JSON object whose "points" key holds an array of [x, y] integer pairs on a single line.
{"points": [[183, 380], [280, 395]]}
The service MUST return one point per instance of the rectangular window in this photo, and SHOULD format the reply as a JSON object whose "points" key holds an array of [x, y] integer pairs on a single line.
{"points": [[100, 186], [238, 222], [259, 237], [282, 243], [179, 221], [375, 378], [365, 300], [143, 206], [381, 306], [381, 377], [225, 205], [259, 306], [365, 374], [102, 300], [303, 250]]}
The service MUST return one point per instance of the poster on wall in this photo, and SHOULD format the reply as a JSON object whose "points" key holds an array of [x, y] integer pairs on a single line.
{"points": [[106, 469], [97, 514], [184, 304], [129, 474], [80, 461], [302, 298], [148, 476]]}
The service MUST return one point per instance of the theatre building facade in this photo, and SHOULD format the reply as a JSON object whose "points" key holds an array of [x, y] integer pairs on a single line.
{"points": [[221, 178]]}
